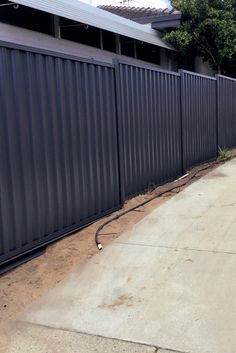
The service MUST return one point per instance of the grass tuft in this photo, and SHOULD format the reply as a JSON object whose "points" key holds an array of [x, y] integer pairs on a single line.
{"points": [[224, 154]]}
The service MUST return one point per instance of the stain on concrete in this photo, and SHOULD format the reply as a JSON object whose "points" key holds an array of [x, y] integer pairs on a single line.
{"points": [[153, 220], [216, 175], [122, 300], [119, 301]]}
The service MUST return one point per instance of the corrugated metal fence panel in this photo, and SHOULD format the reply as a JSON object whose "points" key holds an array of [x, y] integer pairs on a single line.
{"points": [[58, 147], [150, 113], [226, 111], [199, 118]]}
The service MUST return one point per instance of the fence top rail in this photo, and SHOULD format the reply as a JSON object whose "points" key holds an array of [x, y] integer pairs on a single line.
{"points": [[226, 77], [56, 54], [145, 66], [196, 74]]}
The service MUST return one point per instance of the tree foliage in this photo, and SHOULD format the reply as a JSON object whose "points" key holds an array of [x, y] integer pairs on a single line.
{"points": [[208, 29]]}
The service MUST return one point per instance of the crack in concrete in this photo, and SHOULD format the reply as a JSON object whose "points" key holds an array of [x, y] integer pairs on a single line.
{"points": [[168, 350], [177, 248]]}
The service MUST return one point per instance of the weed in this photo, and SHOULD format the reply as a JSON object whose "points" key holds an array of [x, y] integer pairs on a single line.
{"points": [[224, 154]]}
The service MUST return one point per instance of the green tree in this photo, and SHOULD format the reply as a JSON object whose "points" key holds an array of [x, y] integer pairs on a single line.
{"points": [[208, 30]]}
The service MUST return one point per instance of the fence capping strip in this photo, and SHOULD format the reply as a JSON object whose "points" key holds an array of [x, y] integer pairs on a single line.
{"points": [[196, 74], [56, 54], [225, 77], [150, 68]]}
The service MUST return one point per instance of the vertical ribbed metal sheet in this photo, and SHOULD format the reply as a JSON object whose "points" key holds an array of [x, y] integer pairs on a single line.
{"points": [[226, 93], [79, 137], [58, 147], [199, 118], [149, 103]]}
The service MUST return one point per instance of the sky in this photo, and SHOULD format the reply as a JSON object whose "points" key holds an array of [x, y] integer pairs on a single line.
{"points": [[137, 3]]}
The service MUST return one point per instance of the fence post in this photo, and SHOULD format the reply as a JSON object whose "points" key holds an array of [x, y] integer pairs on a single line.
{"points": [[182, 98], [119, 125], [217, 114]]}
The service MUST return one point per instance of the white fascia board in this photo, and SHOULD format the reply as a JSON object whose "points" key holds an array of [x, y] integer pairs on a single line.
{"points": [[87, 14]]}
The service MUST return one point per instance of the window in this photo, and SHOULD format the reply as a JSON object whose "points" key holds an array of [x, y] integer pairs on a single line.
{"points": [[148, 52], [127, 46], [25, 17], [80, 33], [109, 41]]}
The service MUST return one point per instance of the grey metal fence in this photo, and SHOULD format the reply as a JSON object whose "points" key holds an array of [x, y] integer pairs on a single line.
{"points": [[58, 147], [79, 137], [199, 118], [226, 92], [151, 126]]}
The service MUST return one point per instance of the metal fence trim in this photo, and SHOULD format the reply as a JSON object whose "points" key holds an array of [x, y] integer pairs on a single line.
{"points": [[55, 54]]}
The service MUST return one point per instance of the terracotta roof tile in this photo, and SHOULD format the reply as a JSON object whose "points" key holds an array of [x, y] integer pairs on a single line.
{"points": [[133, 13]]}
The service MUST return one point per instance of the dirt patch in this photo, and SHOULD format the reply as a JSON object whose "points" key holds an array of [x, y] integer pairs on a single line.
{"points": [[22, 286]]}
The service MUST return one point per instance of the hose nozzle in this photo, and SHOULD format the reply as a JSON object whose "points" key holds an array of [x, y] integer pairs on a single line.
{"points": [[99, 245]]}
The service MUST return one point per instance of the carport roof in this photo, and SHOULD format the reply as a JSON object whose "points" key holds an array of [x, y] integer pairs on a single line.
{"points": [[77, 11]]}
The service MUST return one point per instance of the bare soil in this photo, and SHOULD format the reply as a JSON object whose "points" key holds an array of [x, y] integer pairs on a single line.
{"points": [[22, 286]]}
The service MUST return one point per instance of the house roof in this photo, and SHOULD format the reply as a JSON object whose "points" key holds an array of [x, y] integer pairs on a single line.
{"points": [[44, 42], [133, 13], [87, 14]]}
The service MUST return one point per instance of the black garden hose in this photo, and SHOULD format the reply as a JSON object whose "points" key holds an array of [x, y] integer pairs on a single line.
{"points": [[162, 190]]}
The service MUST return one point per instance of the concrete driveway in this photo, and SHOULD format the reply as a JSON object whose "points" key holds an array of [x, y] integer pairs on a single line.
{"points": [[168, 284]]}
